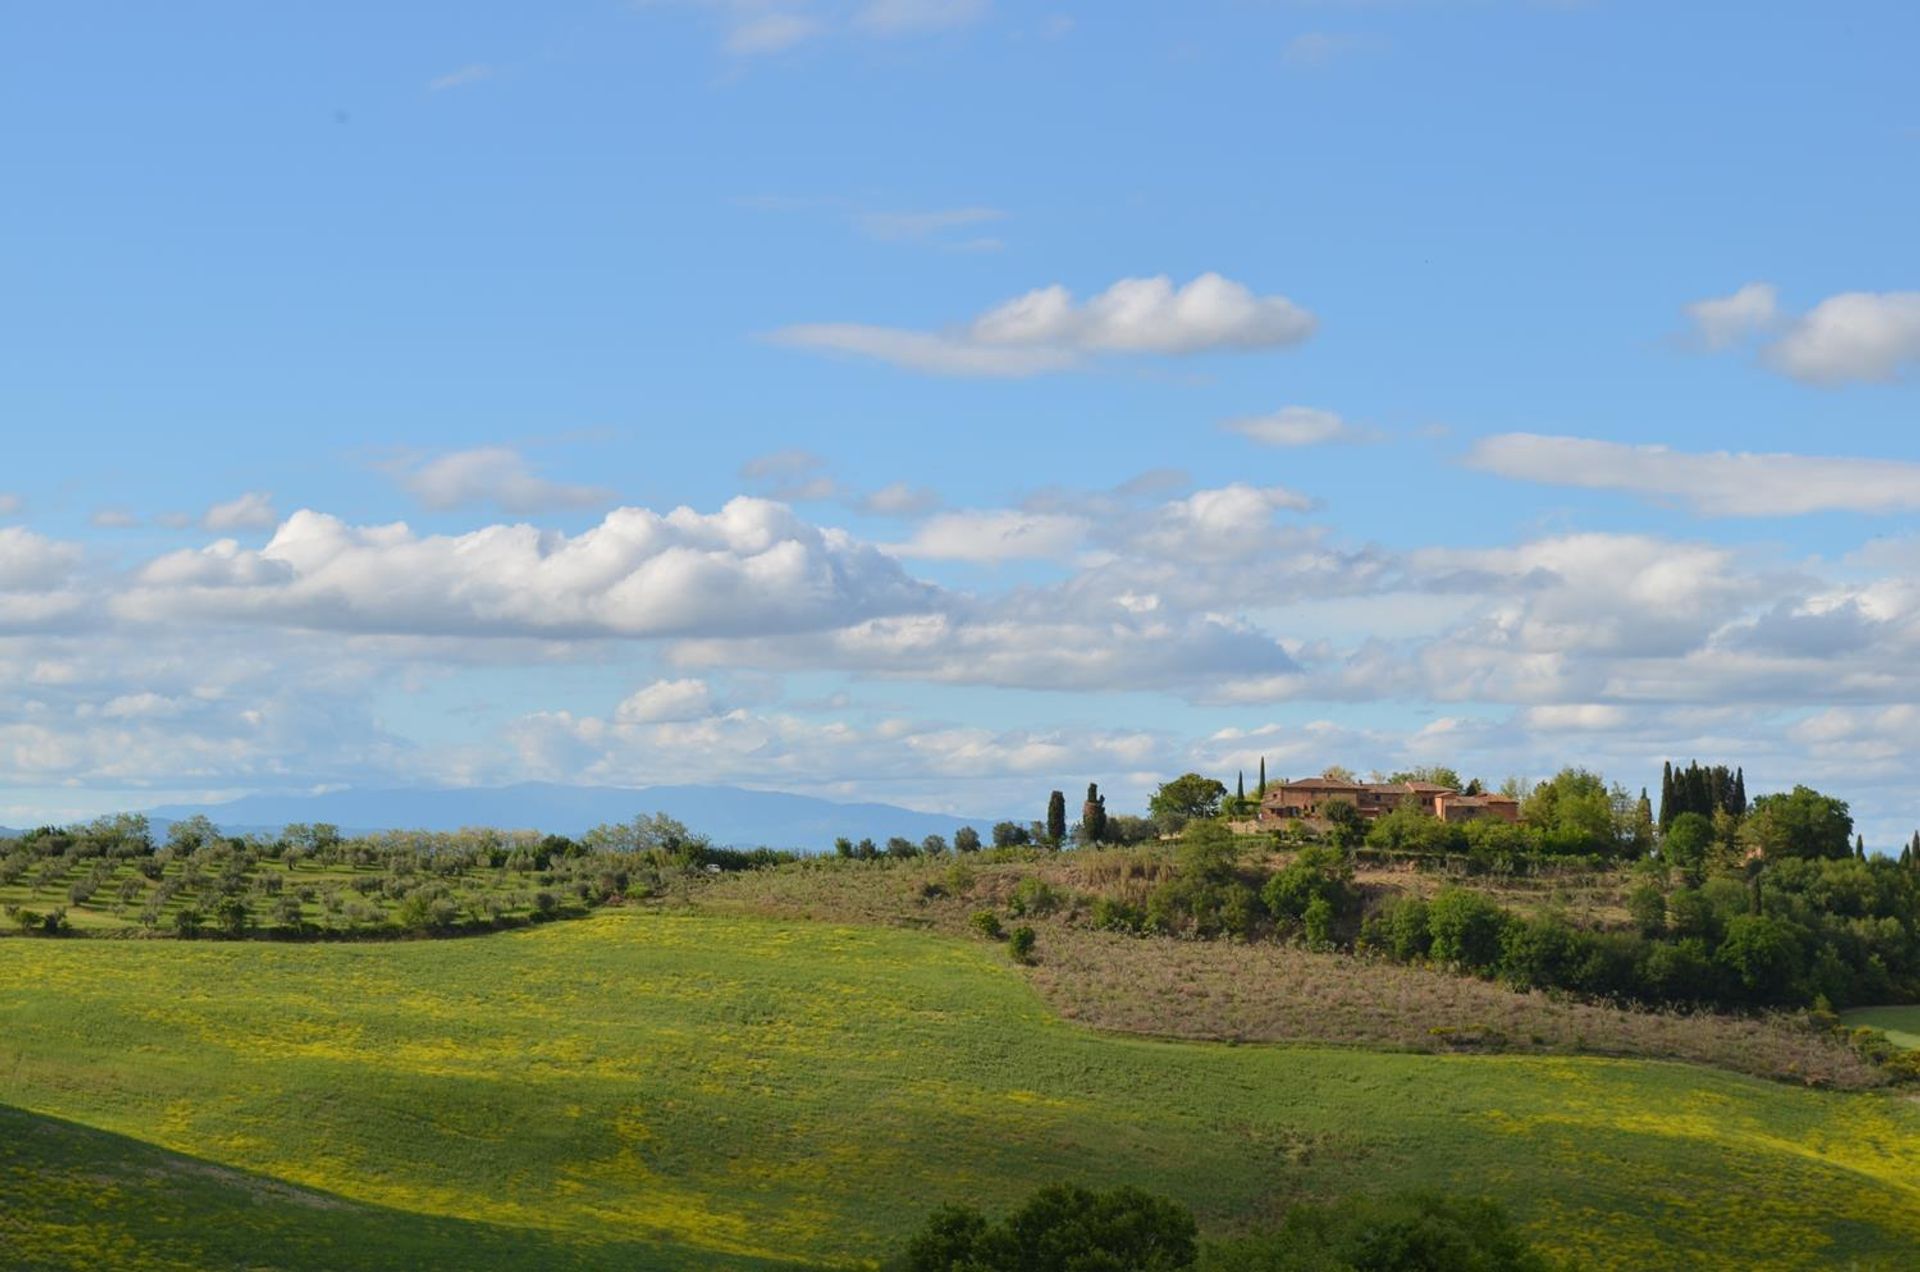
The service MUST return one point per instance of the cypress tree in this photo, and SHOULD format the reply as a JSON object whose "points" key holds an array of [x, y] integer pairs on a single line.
{"points": [[1667, 810], [1057, 818], [1093, 815], [1739, 792], [1860, 847], [1262, 792], [1240, 787]]}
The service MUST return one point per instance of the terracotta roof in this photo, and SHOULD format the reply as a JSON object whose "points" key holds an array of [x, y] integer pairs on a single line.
{"points": [[1323, 783]]}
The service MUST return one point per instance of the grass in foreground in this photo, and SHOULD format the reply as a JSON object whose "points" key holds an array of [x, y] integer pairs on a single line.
{"points": [[726, 1091]]}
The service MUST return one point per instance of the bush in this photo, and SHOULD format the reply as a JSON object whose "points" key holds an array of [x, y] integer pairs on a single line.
{"points": [[1117, 916], [1061, 1228], [1465, 928], [1648, 906], [1034, 896], [1020, 944], [1413, 1233], [986, 923], [1315, 874]]}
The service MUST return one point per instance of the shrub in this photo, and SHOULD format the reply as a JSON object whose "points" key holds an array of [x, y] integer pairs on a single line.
{"points": [[1020, 944], [1061, 1228], [1465, 928], [1318, 921], [1113, 915], [986, 923], [1383, 1234], [1648, 906], [1315, 874], [1034, 896]]}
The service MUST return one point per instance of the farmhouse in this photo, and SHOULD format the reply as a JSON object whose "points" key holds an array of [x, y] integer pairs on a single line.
{"points": [[1307, 799]]}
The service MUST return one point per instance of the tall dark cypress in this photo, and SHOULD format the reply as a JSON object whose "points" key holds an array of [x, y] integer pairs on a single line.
{"points": [[1860, 847], [1740, 792], [1057, 818], [1240, 787], [1263, 777], [1093, 815], [1667, 810]]}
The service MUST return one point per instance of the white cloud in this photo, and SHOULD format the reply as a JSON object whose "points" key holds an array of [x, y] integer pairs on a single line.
{"points": [[1724, 321], [32, 562], [113, 518], [1047, 330], [495, 475], [664, 701], [1295, 426], [466, 75], [10, 504], [251, 511], [993, 535], [1852, 337], [1719, 484], [751, 567], [1855, 336]]}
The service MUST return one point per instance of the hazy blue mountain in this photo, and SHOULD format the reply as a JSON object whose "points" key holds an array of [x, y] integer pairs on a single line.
{"points": [[728, 814]]}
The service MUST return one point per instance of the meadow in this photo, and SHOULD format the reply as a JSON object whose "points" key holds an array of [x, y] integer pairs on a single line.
{"points": [[658, 1088]]}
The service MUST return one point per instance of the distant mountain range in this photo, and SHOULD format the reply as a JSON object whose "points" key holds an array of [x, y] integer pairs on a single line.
{"points": [[728, 814]]}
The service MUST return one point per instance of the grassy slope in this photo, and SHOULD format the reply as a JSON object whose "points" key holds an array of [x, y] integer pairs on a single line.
{"points": [[732, 1089], [1900, 1024]]}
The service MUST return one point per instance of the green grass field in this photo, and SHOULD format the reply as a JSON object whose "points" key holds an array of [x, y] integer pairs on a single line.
{"points": [[1900, 1024], [644, 1089]]}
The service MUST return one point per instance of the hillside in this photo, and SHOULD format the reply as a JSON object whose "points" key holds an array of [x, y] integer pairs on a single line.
{"points": [[729, 814], [739, 1089]]}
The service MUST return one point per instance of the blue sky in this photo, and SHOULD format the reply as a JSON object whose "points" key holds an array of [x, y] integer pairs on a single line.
{"points": [[1358, 480]]}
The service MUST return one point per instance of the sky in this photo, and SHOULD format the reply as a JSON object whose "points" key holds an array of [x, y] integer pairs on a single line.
{"points": [[944, 401]]}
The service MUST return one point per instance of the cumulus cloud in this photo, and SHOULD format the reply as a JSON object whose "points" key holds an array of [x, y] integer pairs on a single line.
{"points": [[113, 518], [494, 475], [1048, 330], [1717, 484], [1295, 426], [32, 562], [1855, 336], [1723, 321], [752, 566], [1852, 337], [664, 701]]}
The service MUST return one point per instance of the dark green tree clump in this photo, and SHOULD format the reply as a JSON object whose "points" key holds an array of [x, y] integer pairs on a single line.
{"points": [[1056, 819], [1066, 1228], [1705, 791]]}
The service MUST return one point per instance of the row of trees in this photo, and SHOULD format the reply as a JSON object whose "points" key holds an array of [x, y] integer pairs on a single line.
{"points": [[1067, 1228]]}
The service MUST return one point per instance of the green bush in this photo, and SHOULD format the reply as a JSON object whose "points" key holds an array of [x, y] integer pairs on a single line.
{"points": [[1061, 1228], [1465, 928], [1413, 1233], [986, 923], [1020, 944]]}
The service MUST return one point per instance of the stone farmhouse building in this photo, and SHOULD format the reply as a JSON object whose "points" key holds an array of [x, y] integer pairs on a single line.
{"points": [[1307, 798]]}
